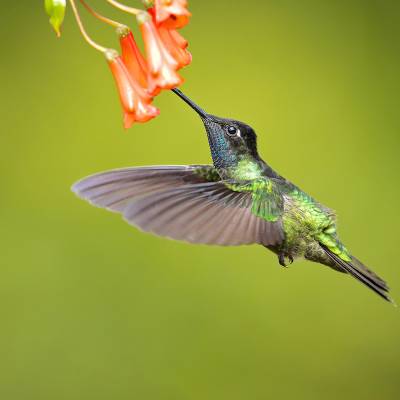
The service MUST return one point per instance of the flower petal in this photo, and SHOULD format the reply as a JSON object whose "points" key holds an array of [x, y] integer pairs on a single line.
{"points": [[181, 55], [132, 57], [179, 39], [136, 103], [162, 65], [173, 14]]}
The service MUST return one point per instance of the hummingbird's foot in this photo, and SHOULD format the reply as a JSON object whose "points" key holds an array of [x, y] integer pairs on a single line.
{"points": [[282, 259]]}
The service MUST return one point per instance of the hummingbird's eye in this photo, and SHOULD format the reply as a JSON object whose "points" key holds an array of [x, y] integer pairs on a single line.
{"points": [[232, 130]]}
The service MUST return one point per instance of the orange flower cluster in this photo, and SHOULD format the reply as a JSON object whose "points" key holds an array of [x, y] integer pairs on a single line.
{"points": [[140, 78]]}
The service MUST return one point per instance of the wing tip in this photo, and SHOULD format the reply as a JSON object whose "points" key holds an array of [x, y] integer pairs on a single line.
{"points": [[75, 188]]}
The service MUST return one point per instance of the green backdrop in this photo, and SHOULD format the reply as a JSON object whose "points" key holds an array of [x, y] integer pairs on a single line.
{"points": [[93, 309]]}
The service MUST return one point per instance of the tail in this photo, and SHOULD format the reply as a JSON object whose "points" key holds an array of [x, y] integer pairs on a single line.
{"points": [[359, 271]]}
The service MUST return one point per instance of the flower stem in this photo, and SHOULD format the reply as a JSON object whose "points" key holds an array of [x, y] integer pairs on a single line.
{"points": [[129, 10], [99, 16], [83, 31]]}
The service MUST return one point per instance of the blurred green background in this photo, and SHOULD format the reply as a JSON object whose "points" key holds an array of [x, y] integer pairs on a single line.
{"points": [[94, 309]]}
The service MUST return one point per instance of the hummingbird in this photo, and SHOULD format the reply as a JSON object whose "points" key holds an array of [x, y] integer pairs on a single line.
{"points": [[238, 200]]}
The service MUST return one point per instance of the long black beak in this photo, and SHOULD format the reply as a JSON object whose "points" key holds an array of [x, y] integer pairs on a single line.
{"points": [[195, 107]]}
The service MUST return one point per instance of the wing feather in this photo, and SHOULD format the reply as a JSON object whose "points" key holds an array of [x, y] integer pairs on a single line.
{"points": [[181, 202]]}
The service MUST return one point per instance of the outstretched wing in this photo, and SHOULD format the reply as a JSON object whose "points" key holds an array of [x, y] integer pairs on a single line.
{"points": [[187, 203]]}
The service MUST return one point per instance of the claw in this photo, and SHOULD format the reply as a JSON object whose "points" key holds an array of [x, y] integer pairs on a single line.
{"points": [[282, 259]]}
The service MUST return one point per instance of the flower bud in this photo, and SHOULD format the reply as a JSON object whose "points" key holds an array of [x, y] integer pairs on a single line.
{"points": [[56, 11]]}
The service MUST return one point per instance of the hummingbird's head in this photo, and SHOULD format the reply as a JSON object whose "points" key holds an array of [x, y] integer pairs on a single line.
{"points": [[230, 141]]}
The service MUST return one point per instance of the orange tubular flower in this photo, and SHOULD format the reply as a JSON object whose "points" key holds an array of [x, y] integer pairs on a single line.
{"points": [[162, 65], [174, 42], [173, 14], [134, 99], [132, 57], [179, 39], [181, 55]]}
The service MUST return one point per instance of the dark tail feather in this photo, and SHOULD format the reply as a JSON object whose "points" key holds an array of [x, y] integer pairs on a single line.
{"points": [[359, 271]]}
